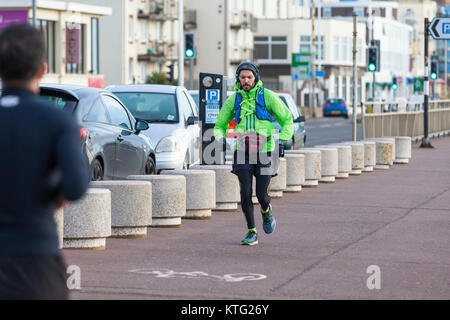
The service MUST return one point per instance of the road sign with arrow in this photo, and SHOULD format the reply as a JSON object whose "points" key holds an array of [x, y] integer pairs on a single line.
{"points": [[439, 28]]}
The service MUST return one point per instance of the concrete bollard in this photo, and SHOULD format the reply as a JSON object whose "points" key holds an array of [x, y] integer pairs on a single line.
{"points": [[201, 192], [227, 186], [87, 222], [329, 164], [357, 156], [370, 156], [168, 198], [295, 172], [313, 165], [384, 153], [344, 160], [402, 150], [278, 183], [131, 207], [59, 221]]}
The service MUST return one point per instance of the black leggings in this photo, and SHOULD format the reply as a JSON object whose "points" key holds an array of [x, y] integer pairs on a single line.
{"points": [[245, 177]]}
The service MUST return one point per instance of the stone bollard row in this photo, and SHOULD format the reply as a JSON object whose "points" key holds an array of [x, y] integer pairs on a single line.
{"points": [[226, 185], [168, 198], [278, 183], [344, 160], [329, 163], [87, 222], [313, 165], [295, 172], [131, 207], [201, 198]]}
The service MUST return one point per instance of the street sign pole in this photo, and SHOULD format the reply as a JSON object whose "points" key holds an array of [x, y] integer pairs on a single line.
{"points": [[426, 88], [354, 77]]}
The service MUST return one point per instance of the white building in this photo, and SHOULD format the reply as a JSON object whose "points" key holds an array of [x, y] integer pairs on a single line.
{"points": [[277, 39], [71, 31], [396, 42], [140, 37]]}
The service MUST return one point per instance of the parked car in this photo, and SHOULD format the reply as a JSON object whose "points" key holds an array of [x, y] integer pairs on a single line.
{"points": [[173, 119], [335, 107], [299, 136], [113, 140]]}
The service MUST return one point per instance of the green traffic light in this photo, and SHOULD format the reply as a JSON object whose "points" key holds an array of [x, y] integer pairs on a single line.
{"points": [[371, 67], [394, 87], [433, 76], [189, 53]]}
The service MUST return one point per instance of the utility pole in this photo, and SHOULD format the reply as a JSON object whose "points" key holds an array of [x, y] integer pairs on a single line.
{"points": [[180, 44], [313, 59], [34, 12], [426, 90], [354, 77]]}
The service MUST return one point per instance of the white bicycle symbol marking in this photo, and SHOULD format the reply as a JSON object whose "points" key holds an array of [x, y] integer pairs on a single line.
{"points": [[232, 277]]}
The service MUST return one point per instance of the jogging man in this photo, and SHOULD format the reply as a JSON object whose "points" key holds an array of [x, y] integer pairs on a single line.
{"points": [[252, 107], [42, 168]]}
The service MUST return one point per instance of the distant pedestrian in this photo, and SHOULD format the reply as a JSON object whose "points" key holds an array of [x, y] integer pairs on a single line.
{"points": [[41, 168], [252, 107]]}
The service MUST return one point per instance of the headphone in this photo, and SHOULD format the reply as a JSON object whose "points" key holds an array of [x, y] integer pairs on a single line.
{"points": [[248, 66]]}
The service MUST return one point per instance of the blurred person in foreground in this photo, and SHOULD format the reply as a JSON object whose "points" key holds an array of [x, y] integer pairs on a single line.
{"points": [[41, 168]]}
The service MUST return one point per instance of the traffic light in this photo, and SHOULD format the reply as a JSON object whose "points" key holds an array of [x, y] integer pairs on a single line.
{"points": [[372, 59], [189, 49], [434, 69], [394, 83], [170, 78]]}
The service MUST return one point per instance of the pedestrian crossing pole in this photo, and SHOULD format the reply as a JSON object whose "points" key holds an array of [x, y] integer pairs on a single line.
{"points": [[426, 90]]}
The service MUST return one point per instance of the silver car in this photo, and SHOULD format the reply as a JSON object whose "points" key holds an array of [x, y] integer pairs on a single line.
{"points": [[112, 139], [173, 118]]}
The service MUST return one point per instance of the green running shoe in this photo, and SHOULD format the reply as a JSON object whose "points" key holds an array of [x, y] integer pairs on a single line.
{"points": [[251, 238], [269, 222]]}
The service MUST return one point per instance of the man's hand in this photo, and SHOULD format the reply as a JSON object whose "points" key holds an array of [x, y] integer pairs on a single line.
{"points": [[61, 202]]}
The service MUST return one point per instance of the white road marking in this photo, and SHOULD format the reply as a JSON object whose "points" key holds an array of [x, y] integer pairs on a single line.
{"points": [[232, 277]]}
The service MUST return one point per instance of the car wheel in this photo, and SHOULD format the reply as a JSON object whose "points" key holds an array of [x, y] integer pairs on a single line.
{"points": [[97, 172], [150, 166]]}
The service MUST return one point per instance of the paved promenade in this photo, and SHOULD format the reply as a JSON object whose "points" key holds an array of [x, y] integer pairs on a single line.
{"points": [[382, 235]]}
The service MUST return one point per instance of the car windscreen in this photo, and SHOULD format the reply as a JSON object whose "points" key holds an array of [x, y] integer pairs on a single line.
{"points": [[335, 101], [61, 100], [293, 108], [150, 106]]}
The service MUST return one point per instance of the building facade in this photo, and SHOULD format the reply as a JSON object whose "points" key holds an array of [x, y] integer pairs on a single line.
{"points": [[71, 32]]}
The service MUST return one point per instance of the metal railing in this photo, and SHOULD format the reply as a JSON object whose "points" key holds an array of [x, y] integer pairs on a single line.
{"points": [[404, 118]]}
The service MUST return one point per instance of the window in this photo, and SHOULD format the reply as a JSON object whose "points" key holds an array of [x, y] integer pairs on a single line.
{"points": [[94, 45], [187, 108], [264, 6], [130, 28], [143, 32], [74, 47], [119, 116], [336, 48], [305, 44], [48, 29], [130, 71], [344, 88], [144, 73], [326, 12], [270, 48], [359, 51], [98, 113], [152, 107], [343, 49], [158, 30], [336, 87]]}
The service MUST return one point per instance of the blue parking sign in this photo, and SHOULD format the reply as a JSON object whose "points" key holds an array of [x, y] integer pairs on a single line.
{"points": [[212, 94]]}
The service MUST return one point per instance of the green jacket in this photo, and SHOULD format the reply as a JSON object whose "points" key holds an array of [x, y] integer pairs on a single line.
{"points": [[249, 122]]}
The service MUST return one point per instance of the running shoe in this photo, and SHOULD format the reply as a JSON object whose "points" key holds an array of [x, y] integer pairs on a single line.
{"points": [[251, 238], [269, 222]]}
